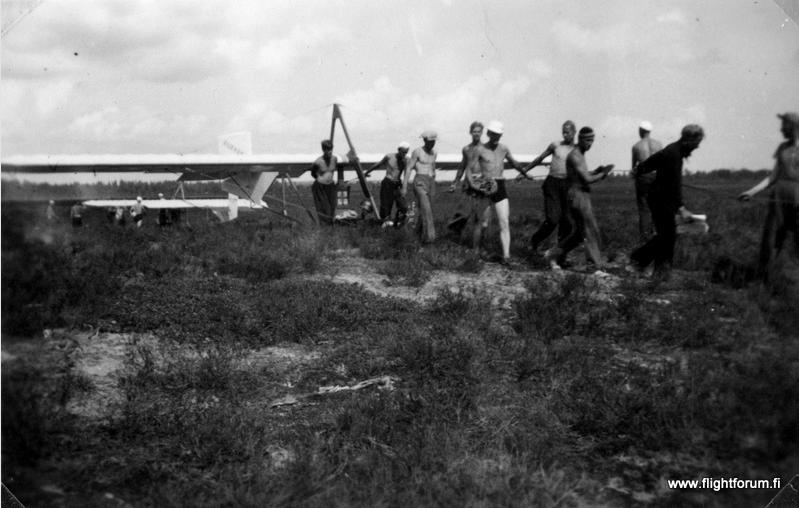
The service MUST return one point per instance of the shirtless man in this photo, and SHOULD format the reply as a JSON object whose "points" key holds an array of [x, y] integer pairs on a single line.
{"points": [[468, 152], [490, 163], [584, 222], [390, 187], [555, 188], [324, 188], [642, 150], [474, 202], [423, 162]]}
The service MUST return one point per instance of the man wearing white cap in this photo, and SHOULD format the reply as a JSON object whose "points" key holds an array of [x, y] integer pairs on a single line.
{"points": [[783, 208], [490, 163], [423, 163], [137, 212], [642, 150], [391, 186]]}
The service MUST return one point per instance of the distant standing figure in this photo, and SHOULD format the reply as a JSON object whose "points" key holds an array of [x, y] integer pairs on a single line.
{"points": [[665, 201], [642, 150], [163, 214], [783, 207], [474, 201], [324, 188], [119, 216], [50, 212], [490, 161], [76, 214], [423, 163], [555, 188], [137, 212], [391, 186], [584, 225]]}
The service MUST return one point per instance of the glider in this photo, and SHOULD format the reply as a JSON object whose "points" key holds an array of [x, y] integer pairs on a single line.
{"points": [[244, 176]]}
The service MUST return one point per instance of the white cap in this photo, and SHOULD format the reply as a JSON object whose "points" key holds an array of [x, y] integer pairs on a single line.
{"points": [[646, 126], [404, 145], [160, 194], [495, 127], [138, 198]]}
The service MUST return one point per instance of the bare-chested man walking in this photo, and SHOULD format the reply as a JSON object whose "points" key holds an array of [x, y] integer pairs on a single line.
{"points": [[490, 162], [584, 225], [555, 188], [423, 163], [642, 150]]}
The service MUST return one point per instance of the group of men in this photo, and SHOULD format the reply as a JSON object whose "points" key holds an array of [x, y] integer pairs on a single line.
{"points": [[657, 172]]}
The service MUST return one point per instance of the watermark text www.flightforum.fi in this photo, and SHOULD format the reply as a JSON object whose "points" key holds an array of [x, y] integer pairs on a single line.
{"points": [[718, 484]]}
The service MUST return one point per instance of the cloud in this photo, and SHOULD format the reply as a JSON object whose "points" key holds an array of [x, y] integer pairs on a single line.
{"points": [[283, 54], [675, 16], [664, 41]]}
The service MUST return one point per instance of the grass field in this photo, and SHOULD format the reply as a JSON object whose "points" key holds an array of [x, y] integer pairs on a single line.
{"points": [[214, 364]]}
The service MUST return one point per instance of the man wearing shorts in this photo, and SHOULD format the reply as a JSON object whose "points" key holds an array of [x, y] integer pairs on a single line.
{"points": [[490, 163]]}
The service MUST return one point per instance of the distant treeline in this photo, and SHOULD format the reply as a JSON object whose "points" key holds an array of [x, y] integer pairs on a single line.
{"points": [[26, 191]]}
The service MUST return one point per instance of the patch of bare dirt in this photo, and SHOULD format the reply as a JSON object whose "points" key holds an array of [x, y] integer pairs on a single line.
{"points": [[501, 285]]}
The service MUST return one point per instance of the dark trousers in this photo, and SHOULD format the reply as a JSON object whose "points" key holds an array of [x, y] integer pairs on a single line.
{"points": [[324, 198], [642, 185], [390, 195], [659, 248], [556, 211], [782, 218]]}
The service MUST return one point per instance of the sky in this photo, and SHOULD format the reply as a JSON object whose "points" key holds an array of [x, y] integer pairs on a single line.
{"points": [[108, 76]]}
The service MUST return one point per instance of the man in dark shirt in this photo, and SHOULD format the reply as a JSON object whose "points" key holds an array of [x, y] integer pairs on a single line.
{"points": [[665, 200]]}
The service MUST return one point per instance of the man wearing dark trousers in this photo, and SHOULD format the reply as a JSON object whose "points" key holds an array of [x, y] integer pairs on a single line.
{"points": [[665, 201], [555, 188], [391, 186]]}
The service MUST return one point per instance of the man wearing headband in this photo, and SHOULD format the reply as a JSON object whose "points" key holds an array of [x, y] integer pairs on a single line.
{"points": [[665, 201], [423, 163], [783, 207], [490, 162], [583, 220], [555, 188], [642, 150], [391, 186]]}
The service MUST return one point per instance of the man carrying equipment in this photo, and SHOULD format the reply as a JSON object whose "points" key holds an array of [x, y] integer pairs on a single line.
{"points": [[489, 162], [665, 201]]}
